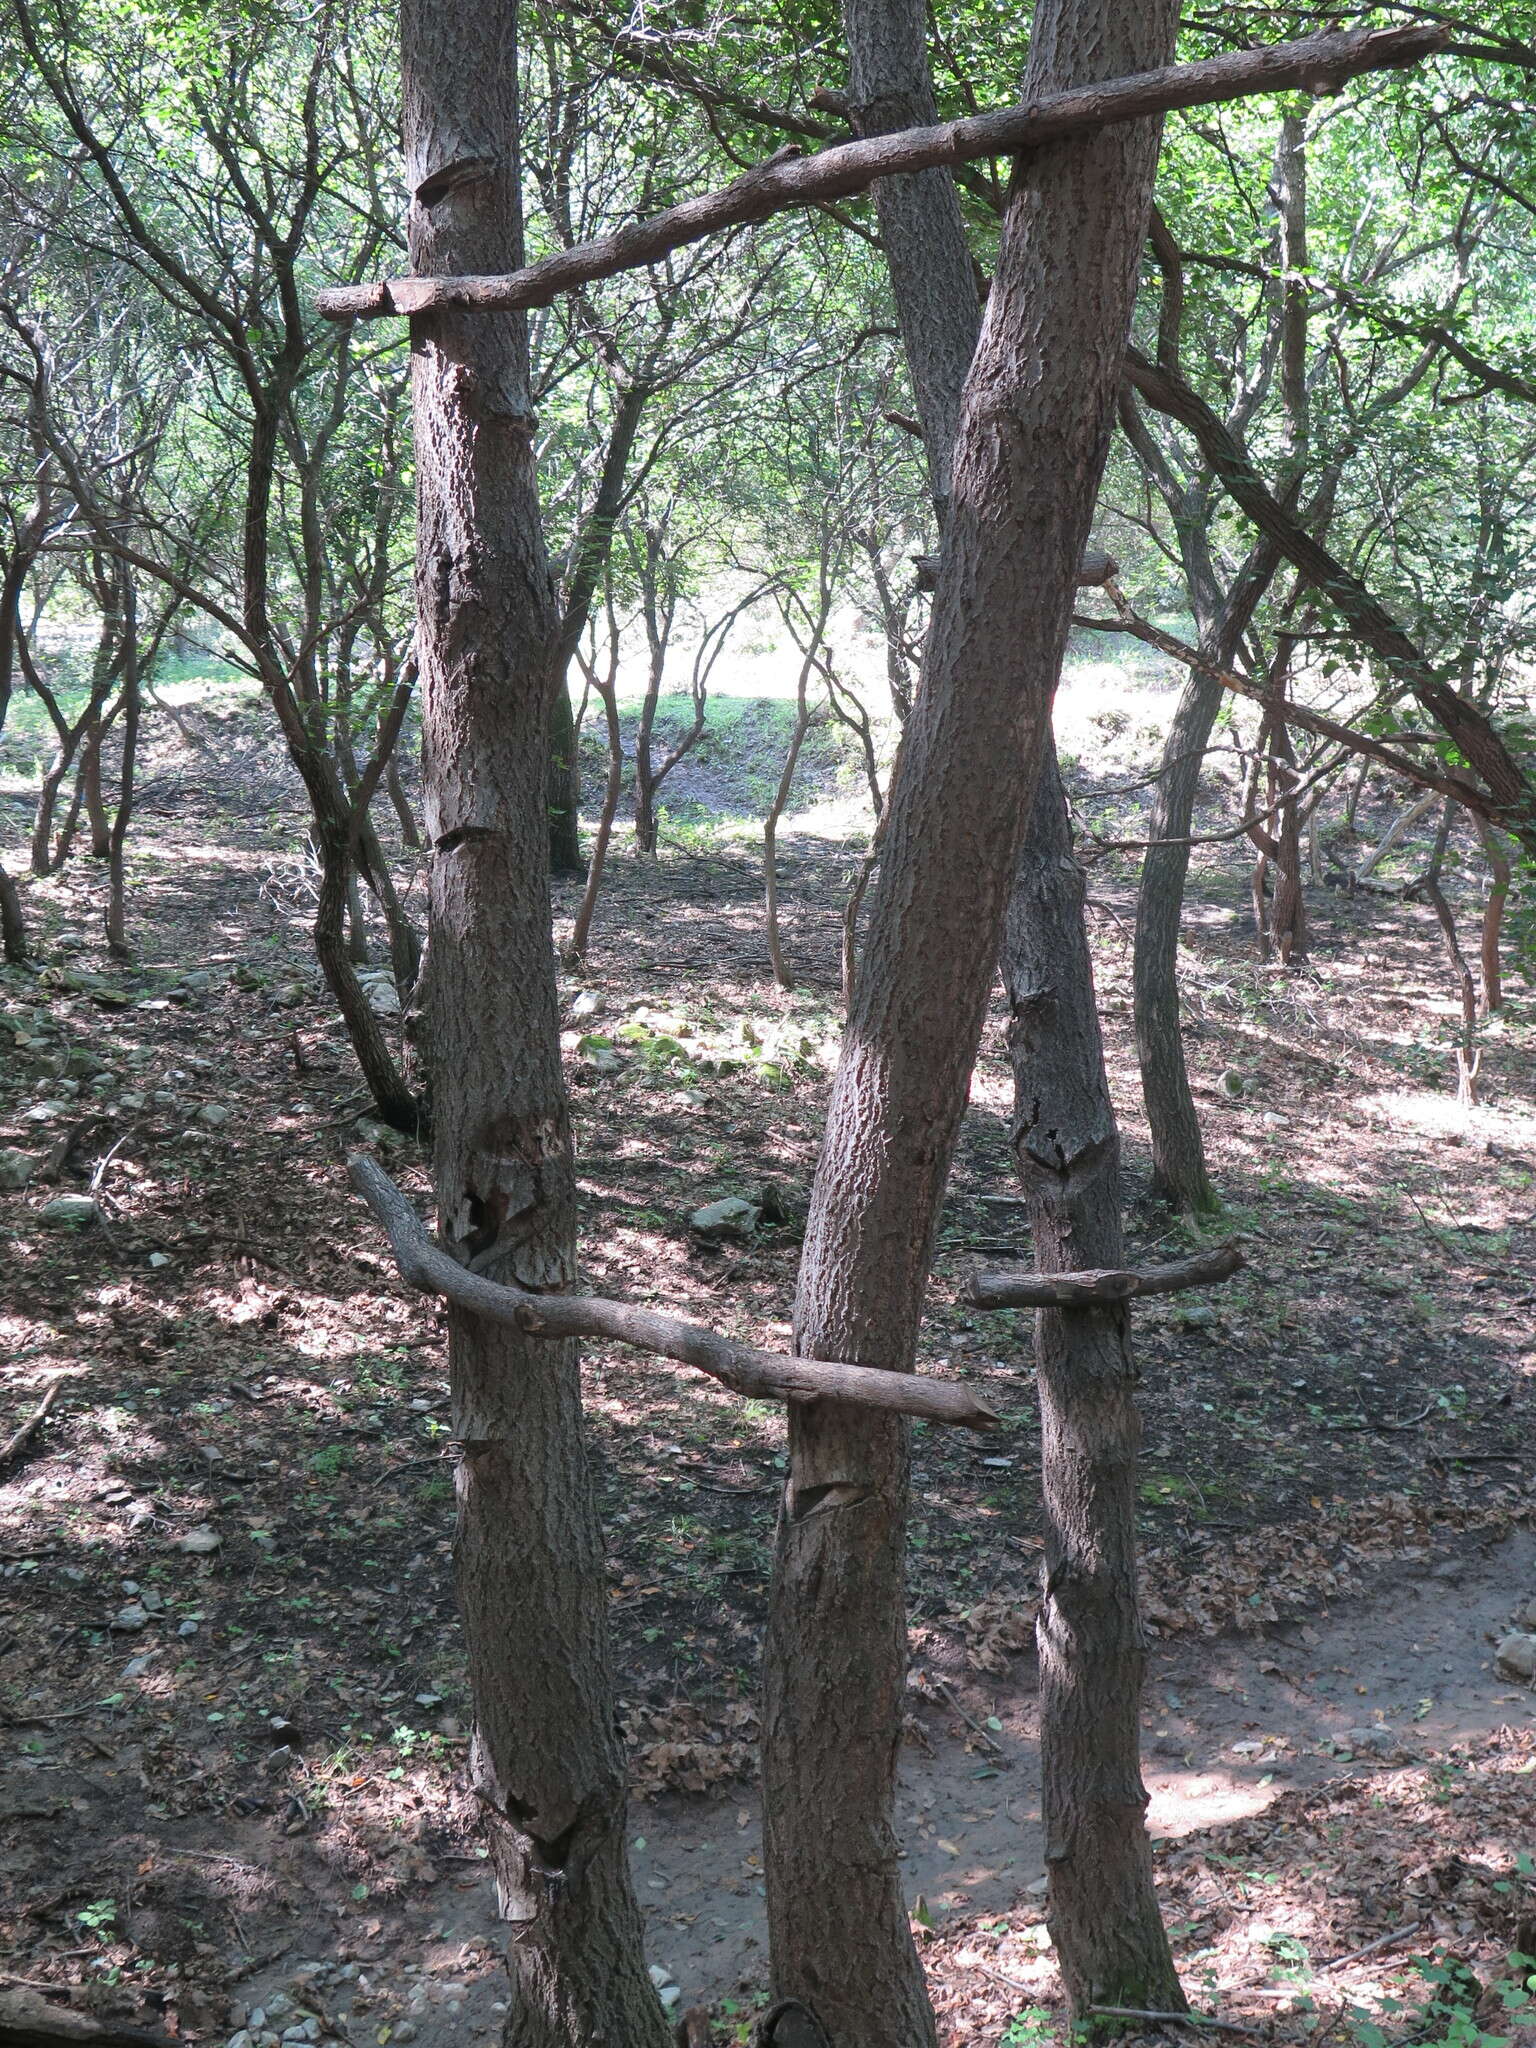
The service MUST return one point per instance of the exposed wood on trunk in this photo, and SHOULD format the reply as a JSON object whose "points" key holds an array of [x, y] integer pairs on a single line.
{"points": [[788, 180], [1002, 1289], [761, 1375]]}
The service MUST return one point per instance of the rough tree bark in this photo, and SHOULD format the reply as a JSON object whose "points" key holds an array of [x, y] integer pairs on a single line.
{"points": [[1027, 465], [1101, 1905], [546, 1759]]}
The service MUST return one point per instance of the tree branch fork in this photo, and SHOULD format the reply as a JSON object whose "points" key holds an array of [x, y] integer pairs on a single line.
{"points": [[745, 1369]]}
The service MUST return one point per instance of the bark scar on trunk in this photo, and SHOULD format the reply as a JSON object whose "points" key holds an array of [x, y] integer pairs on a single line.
{"points": [[805, 1501], [453, 177]]}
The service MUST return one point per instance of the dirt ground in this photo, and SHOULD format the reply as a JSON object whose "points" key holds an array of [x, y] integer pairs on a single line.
{"points": [[231, 1688]]}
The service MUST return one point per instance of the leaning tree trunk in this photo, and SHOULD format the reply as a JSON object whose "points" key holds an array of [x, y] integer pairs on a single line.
{"points": [[1027, 465], [1179, 1175], [546, 1759], [1102, 1906]]}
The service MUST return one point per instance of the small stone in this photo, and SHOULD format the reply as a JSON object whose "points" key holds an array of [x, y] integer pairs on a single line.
{"points": [[1198, 1316], [256, 2019], [16, 1168], [1526, 1618], [1516, 1656], [279, 2005], [585, 1005], [200, 980], [659, 1976], [405, 2031], [131, 1100], [159, 1258], [187, 1628], [69, 1212], [137, 1666], [129, 1618], [1374, 1737], [670, 1994], [214, 1115], [154, 1601], [45, 1112], [240, 2040], [383, 998], [1039, 1888], [199, 1542], [730, 1218], [278, 1761]]}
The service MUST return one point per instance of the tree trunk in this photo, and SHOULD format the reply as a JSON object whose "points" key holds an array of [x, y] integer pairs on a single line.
{"points": [[608, 695], [117, 832], [782, 978], [922, 229], [1102, 1905], [1028, 460], [1499, 874], [546, 1759], [564, 791], [1179, 1175]]}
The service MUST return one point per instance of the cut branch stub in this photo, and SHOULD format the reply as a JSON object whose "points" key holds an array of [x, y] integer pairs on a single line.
{"points": [[1094, 571], [1000, 1289], [762, 1375], [789, 180]]}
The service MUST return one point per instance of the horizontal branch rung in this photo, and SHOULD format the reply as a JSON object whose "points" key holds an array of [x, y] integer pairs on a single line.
{"points": [[1095, 1288], [1317, 64], [761, 1375]]}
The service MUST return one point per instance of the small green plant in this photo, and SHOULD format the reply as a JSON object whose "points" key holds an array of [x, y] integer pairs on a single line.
{"points": [[1031, 2028], [98, 1917], [329, 1463]]}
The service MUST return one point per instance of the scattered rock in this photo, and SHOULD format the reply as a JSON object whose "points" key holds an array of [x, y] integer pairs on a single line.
{"points": [[1374, 1737], [187, 1628], [585, 1005], [214, 1114], [69, 1212], [1526, 1618], [45, 1112], [731, 1219], [383, 996], [199, 1542], [127, 1619], [16, 1168], [1516, 1655], [1198, 1316]]}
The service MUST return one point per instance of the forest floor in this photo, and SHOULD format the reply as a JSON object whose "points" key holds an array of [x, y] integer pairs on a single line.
{"points": [[232, 1701]]}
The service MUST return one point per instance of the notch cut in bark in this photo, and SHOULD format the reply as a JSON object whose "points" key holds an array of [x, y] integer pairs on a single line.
{"points": [[760, 1375], [788, 180], [998, 1288]]}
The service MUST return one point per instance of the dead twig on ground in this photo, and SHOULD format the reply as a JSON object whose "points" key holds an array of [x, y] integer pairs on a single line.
{"points": [[33, 1423]]}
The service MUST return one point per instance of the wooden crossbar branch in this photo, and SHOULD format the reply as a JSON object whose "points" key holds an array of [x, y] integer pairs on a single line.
{"points": [[789, 179], [1093, 1289], [764, 1375]]}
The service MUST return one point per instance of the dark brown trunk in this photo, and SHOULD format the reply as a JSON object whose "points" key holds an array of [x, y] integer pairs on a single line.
{"points": [[1102, 1904], [546, 1759], [563, 793], [117, 831], [608, 695], [1028, 460]]}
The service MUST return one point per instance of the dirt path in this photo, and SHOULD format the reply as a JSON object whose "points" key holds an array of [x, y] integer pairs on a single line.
{"points": [[1229, 1725]]}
